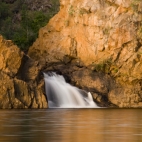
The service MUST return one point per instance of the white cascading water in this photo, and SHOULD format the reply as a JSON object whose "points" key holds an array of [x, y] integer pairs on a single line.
{"points": [[62, 95]]}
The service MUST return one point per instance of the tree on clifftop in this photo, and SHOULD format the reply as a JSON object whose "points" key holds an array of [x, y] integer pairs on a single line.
{"points": [[20, 20]]}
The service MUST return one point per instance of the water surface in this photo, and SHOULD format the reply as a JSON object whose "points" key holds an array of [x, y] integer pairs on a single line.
{"points": [[71, 125]]}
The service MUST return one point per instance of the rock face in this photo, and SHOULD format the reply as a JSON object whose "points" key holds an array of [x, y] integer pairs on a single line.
{"points": [[103, 36], [15, 90], [95, 44]]}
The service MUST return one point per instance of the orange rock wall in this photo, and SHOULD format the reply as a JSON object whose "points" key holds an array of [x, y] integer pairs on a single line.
{"points": [[98, 32], [94, 31]]}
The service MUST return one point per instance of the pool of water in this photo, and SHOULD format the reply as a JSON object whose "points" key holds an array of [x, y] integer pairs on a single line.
{"points": [[71, 125]]}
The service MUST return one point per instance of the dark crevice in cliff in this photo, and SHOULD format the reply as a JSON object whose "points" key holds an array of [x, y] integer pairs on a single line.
{"points": [[138, 46], [10, 99], [20, 73]]}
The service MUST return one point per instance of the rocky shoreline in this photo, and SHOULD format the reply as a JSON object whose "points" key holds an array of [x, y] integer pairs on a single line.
{"points": [[95, 45]]}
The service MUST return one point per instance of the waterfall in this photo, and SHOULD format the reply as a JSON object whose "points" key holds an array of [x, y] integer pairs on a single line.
{"points": [[63, 95]]}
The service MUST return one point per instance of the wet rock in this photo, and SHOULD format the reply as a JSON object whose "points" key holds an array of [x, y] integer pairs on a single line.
{"points": [[91, 80]]}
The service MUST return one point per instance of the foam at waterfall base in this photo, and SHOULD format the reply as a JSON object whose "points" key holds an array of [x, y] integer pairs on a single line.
{"points": [[63, 95]]}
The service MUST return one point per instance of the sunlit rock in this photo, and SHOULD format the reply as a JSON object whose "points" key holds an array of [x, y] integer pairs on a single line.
{"points": [[101, 34]]}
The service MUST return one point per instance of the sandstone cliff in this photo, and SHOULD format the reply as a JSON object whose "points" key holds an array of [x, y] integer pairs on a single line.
{"points": [[15, 90], [101, 35]]}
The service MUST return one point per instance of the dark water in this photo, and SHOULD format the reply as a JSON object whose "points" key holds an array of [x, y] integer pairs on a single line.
{"points": [[71, 125]]}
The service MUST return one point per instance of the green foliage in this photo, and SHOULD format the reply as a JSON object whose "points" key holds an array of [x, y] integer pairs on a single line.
{"points": [[83, 11], [135, 4], [106, 31], [106, 66], [66, 23], [20, 24], [4, 10], [139, 32], [38, 21], [71, 10], [7, 30], [103, 66], [136, 1]]}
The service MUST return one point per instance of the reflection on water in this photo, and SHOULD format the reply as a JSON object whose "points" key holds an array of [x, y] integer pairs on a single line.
{"points": [[71, 125]]}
